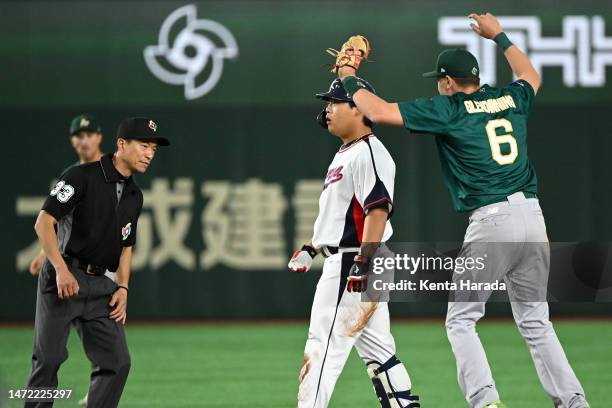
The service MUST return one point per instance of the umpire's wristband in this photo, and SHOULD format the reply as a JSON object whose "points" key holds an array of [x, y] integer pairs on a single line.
{"points": [[352, 84], [123, 287], [502, 41]]}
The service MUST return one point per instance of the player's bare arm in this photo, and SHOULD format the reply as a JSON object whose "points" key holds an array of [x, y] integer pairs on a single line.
{"points": [[489, 27], [377, 109], [119, 299], [373, 230], [373, 106], [67, 285]]}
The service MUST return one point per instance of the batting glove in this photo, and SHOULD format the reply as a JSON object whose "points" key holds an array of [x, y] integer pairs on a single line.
{"points": [[301, 261], [357, 280]]}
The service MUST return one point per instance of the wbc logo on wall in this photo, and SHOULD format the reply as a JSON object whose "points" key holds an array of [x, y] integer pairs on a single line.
{"points": [[194, 56], [582, 50]]}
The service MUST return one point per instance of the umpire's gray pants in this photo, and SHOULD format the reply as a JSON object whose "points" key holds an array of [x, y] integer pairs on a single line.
{"points": [[524, 269], [103, 339]]}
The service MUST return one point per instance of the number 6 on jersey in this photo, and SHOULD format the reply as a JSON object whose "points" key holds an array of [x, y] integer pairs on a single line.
{"points": [[497, 140]]}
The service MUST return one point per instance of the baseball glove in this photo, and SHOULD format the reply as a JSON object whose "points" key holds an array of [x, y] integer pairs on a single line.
{"points": [[353, 51]]}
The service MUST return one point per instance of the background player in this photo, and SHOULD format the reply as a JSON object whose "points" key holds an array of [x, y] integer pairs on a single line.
{"points": [[354, 210], [481, 137], [86, 137]]}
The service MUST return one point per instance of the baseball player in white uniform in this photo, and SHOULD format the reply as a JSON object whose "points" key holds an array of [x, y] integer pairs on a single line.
{"points": [[352, 225]]}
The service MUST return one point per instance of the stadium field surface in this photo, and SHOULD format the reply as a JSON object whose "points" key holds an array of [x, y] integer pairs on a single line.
{"points": [[257, 364]]}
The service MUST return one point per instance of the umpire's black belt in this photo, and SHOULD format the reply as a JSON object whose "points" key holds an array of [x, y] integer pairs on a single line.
{"points": [[328, 251], [88, 268]]}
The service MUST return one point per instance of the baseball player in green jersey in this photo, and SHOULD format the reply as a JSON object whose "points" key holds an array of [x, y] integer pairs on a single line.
{"points": [[481, 136]]}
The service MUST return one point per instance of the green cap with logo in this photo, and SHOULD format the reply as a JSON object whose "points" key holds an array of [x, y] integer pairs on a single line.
{"points": [[84, 123], [456, 63]]}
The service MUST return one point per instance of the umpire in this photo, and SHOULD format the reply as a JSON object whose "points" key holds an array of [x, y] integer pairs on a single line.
{"points": [[96, 208]]}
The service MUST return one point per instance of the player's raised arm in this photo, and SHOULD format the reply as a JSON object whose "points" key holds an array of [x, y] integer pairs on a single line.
{"points": [[353, 52], [375, 108], [372, 106], [488, 27]]}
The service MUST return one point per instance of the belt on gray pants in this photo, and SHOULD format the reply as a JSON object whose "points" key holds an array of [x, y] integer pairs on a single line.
{"points": [[518, 197], [89, 269]]}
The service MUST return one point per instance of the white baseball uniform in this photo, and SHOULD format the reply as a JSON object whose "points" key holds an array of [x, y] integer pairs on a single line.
{"points": [[360, 177]]}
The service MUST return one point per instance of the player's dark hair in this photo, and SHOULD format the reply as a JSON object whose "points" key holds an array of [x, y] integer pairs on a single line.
{"points": [[467, 82], [367, 122]]}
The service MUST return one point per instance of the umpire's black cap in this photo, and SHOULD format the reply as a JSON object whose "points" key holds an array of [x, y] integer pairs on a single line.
{"points": [[337, 92], [141, 128]]}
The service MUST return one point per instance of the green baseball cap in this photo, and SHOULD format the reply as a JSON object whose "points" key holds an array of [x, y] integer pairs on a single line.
{"points": [[456, 63], [86, 123]]}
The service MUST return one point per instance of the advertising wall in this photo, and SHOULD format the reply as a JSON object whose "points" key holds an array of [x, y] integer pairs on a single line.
{"points": [[232, 85]]}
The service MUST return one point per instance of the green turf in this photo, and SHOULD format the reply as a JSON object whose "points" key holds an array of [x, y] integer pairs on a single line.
{"points": [[256, 365]]}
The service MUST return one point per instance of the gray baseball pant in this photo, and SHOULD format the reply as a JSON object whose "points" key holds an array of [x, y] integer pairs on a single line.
{"points": [[103, 339], [501, 230]]}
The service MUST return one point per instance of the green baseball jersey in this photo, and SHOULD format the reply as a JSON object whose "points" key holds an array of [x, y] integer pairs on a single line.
{"points": [[77, 163], [481, 139]]}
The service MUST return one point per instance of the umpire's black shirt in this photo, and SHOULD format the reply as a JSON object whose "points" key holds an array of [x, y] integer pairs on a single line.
{"points": [[97, 210]]}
